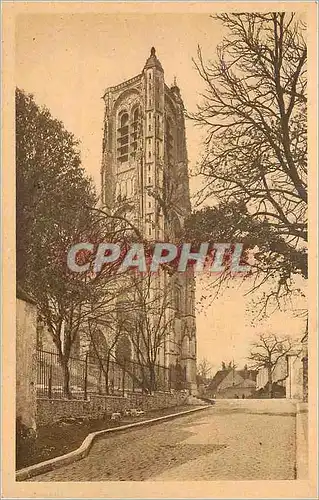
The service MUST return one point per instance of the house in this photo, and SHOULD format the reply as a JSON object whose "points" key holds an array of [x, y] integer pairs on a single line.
{"points": [[279, 377], [289, 376], [231, 383], [294, 381]]}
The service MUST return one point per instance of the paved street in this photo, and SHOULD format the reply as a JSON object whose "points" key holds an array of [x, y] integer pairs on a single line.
{"points": [[233, 440]]}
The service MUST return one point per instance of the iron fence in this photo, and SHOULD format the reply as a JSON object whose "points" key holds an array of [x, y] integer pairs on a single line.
{"points": [[100, 376]]}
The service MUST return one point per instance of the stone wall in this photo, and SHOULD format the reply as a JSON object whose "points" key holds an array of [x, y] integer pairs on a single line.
{"points": [[98, 406], [236, 392], [26, 336]]}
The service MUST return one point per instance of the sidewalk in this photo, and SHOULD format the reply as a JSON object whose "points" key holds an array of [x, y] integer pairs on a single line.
{"points": [[302, 441]]}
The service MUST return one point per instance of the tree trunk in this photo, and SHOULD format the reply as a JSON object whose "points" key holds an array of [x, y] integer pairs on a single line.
{"points": [[99, 387], [66, 379], [269, 382], [152, 378], [144, 381], [106, 376]]}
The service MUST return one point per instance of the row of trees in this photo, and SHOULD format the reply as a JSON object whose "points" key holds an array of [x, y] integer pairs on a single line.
{"points": [[56, 208]]}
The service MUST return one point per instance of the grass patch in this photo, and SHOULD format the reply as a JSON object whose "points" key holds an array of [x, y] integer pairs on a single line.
{"points": [[63, 437]]}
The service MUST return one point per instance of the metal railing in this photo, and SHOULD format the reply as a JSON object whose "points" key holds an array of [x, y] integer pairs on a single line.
{"points": [[101, 376]]}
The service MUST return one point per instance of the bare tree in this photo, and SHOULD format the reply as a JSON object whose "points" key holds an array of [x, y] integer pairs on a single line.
{"points": [[148, 313], [254, 109], [204, 368], [230, 365], [266, 353], [104, 352]]}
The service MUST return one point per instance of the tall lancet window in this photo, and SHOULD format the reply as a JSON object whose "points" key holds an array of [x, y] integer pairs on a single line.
{"points": [[123, 137], [135, 123], [169, 142]]}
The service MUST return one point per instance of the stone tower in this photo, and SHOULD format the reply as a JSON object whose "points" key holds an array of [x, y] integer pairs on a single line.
{"points": [[144, 162]]}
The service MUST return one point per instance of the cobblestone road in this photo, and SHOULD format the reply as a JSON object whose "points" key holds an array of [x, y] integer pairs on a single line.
{"points": [[233, 440]]}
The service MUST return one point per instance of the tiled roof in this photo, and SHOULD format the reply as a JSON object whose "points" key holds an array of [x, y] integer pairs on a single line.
{"points": [[217, 379], [249, 375]]}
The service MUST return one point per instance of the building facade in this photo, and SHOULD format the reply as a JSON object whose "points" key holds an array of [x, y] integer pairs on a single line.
{"points": [[294, 381], [231, 383], [279, 375], [145, 171], [290, 375]]}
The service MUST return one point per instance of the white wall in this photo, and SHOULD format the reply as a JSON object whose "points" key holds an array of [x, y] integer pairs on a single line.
{"points": [[294, 384], [26, 329]]}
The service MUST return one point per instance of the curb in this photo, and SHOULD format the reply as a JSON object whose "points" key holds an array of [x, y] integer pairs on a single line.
{"points": [[301, 441], [83, 450]]}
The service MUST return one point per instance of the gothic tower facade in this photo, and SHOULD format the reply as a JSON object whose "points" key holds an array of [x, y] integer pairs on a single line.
{"points": [[144, 162]]}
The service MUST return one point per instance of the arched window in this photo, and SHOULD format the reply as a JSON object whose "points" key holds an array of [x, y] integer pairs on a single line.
{"points": [[157, 93], [124, 119], [123, 137], [135, 130], [136, 115]]}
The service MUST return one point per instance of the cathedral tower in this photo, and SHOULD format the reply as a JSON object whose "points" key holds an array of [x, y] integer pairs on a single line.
{"points": [[144, 163]]}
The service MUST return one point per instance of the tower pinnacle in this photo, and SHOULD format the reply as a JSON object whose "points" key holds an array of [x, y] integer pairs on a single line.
{"points": [[152, 61]]}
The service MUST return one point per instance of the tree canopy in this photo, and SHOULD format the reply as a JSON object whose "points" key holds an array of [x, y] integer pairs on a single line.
{"points": [[52, 192], [254, 113]]}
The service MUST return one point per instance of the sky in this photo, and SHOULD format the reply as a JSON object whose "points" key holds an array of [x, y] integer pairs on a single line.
{"points": [[66, 61]]}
